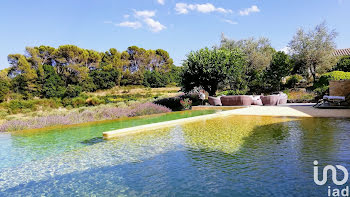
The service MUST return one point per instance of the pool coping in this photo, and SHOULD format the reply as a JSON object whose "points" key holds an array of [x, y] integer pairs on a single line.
{"points": [[281, 111]]}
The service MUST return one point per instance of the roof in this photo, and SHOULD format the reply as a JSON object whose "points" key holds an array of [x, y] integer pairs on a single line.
{"points": [[341, 52]]}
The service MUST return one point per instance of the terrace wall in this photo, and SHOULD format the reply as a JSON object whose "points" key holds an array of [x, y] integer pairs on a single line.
{"points": [[339, 88]]}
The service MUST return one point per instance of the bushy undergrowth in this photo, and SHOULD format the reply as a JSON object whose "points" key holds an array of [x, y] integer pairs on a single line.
{"points": [[174, 103], [83, 100], [82, 116], [297, 96], [322, 85], [233, 92]]}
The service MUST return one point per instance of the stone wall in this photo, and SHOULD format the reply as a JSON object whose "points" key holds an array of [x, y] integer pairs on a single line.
{"points": [[339, 88]]}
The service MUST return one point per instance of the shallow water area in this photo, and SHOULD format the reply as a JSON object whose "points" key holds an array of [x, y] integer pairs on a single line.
{"points": [[226, 156]]}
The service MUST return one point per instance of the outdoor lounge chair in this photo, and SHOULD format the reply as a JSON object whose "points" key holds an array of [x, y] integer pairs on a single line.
{"points": [[238, 100], [327, 101], [214, 101], [270, 100]]}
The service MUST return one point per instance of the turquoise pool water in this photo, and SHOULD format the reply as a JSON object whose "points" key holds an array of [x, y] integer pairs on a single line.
{"points": [[229, 156]]}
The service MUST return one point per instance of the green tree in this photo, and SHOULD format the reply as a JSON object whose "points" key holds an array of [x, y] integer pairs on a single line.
{"points": [[259, 54], [209, 68], [104, 79], [312, 51], [4, 88], [155, 79], [53, 85], [280, 67], [23, 74], [343, 64], [73, 91]]}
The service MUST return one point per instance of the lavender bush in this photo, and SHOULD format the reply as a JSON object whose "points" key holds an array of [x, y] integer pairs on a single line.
{"points": [[106, 113]]}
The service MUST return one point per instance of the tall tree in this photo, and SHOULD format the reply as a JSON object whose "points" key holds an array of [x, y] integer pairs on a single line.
{"points": [[23, 73], [208, 68], [312, 51], [281, 66], [259, 55]]}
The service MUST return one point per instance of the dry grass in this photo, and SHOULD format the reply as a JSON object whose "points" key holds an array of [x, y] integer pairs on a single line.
{"points": [[130, 90], [300, 95], [144, 95]]}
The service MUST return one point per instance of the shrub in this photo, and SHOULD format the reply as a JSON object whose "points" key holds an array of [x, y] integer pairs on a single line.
{"points": [[155, 79], [84, 115], [104, 79], [78, 102], [233, 92], [186, 103], [321, 86], [4, 89], [343, 64], [53, 85], [73, 90], [292, 81], [94, 101], [335, 75], [174, 103], [209, 68]]}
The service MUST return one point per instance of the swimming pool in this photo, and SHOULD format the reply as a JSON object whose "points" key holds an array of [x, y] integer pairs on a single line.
{"points": [[228, 156]]}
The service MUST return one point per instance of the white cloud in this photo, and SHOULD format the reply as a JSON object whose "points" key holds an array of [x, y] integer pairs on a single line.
{"points": [[126, 16], [154, 26], [183, 8], [131, 24], [286, 50], [248, 11], [230, 21], [146, 16], [145, 13], [162, 2]]}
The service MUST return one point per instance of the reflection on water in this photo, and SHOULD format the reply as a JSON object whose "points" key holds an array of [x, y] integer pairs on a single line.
{"points": [[228, 134], [231, 156], [20, 147]]}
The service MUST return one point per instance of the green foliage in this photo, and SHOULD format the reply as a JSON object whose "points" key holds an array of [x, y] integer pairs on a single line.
{"points": [[73, 91], [104, 79], [321, 86], [53, 85], [209, 68], [186, 103], [335, 75], [280, 67], [20, 106], [68, 70], [343, 64], [292, 81], [155, 79], [174, 103], [259, 54], [94, 101], [4, 89], [312, 51], [233, 92], [78, 102]]}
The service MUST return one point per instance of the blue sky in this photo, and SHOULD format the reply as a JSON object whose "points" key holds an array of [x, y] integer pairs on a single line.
{"points": [[177, 26]]}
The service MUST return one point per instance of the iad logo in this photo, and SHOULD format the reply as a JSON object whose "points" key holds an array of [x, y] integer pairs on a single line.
{"points": [[333, 170]]}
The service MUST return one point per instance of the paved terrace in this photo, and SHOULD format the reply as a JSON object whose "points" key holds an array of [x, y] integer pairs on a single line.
{"points": [[289, 110]]}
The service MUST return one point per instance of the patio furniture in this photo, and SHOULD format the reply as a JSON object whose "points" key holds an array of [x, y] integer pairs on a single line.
{"points": [[283, 99], [214, 101], [256, 100], [238, 100], [330, 101], [270, 100]]}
